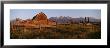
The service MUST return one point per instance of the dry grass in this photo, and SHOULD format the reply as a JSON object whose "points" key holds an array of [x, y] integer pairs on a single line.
{"points": [[73, 31]]}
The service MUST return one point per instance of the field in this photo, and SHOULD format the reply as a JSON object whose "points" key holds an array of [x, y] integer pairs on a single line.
{"points": [[61, 31]]}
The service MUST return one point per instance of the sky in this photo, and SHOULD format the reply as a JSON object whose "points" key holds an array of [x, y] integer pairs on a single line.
{"points": [[75, 13]]}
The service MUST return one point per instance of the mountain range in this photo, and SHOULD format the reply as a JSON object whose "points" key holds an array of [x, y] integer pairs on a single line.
{"points": [[68, 19]]}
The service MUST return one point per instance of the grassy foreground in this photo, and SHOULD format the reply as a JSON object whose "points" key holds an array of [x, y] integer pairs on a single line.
{"points": [[72, 31]]}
